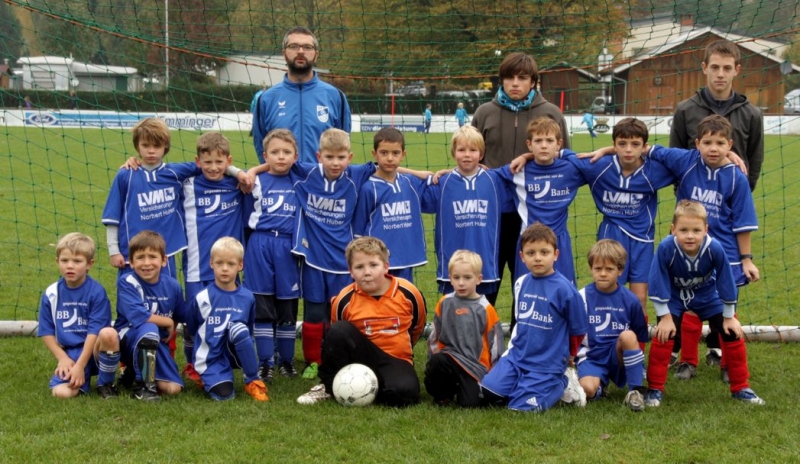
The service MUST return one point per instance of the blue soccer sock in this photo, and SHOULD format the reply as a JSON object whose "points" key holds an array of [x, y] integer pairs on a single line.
{"points": [[107, 364], [634, 367], [241, 339], [265, 342], [286, 335]]}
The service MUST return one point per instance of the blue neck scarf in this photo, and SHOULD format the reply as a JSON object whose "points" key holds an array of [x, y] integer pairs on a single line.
{"points": [[514, 105]]}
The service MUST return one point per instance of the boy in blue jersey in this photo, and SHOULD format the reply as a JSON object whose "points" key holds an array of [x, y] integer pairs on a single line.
{"points": [[610, 351], [427, 118], [468, 203], [75, 323], [222, 317], [389, 206], [709, 177], [691, 272], [271, 271], [545, 189], [213, 206], [461, 115], [532, 374], [149, 305]]}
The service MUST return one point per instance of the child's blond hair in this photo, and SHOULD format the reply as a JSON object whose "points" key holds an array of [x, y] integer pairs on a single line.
{"points": [[152, 130], [543, 126], [213, 141], [369, 246], [78, 244], [470, 258], [610, 251], [228, 244], [281, 134], [147, 239], [334, 140], [469, 136], [692, 209]]}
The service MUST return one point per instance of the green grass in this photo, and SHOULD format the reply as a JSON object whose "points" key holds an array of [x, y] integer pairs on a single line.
{"points": [[698, 422], [54, 181]]}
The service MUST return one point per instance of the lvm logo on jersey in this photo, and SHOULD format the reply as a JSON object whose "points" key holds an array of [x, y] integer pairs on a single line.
{"points": [[326, 204], [622, 198], [707, 196], [471, 206], [397, 208], [156, 197]]}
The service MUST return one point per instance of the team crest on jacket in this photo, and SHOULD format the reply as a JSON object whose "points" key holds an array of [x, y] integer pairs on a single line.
{"points": [[322, 113]]}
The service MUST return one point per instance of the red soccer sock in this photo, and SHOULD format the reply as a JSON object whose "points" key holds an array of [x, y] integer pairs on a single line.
{"points": [[736, 354], [691, 330], [723, 363], [658, 363], [312, 342], [173, 345]]}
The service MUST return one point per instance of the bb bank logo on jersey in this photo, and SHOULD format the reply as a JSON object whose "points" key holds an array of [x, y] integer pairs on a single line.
{"points": [[471, 206], [622, 198], [709, 197], [543, 189], [156, 197], [397, 208], [327, 204], [323, 114], [70, 318], [530, 314]]}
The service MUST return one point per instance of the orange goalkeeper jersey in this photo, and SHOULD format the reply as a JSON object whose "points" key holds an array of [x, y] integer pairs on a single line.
{"points": [[393, 322]]}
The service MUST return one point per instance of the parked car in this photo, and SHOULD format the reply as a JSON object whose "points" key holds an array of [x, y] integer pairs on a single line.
{"points": [[454, 94], [791, 102], [602, 104], [414, 88]]}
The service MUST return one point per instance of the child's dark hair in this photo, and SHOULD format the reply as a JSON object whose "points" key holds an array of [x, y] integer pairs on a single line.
{"points": [[152, 130], [715, 124], [147, 239], [629, 128], [723, 47], [608, 250], [538, 232], [389, 135], [518, 63], [213, 141]]}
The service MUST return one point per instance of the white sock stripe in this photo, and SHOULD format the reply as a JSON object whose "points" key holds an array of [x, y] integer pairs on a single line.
{"points": [[633, 359], [263, 333], [287, 335], [107, 367]]}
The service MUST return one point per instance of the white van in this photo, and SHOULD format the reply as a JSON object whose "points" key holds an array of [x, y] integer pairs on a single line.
{"points": [[791, 102]]}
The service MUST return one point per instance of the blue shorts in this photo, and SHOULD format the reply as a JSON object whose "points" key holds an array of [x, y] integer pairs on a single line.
{"points": [[565, 264], [218, 366], [640, 254], [525, 390], [320, 286], [606, 368], [404, 273], [270, 268], [705, 303], [89, 371], [166, 369], [738, 275]]}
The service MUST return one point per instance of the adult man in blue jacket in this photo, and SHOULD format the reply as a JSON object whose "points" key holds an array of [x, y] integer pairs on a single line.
{"points": [[302, 102]]}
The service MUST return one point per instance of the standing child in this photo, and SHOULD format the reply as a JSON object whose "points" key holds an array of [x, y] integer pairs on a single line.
{"points": [[690, 272], [551, 323], [427, 118], [212, 203], [467, 338], [75, 323], [375, 321], [149, 304], [389, 206], [611, 350], [271, 271], [222, 316], [461, 115]]}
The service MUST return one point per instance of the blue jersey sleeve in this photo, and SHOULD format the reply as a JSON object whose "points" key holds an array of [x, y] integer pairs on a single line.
{"points": [[638, 324], [676, 160], [365, 207], [726, 285], [360, 173], [429, 200], [742, 206], [46, 324], [130, 301], [186, 170], [115, 203], [99, 311], [576, 314]]}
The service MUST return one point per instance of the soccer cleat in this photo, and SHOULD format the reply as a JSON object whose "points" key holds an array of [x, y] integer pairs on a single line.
{"points": [[107, 391], [574, 393], [685, 371], [748, 396], [192, 375], [144, 392], [287, 369], [713, 357], [316, 395], [653, 398], [634, 400], [674, 359], [257, 390], [311, 370], [723, 374], [266, 373]]}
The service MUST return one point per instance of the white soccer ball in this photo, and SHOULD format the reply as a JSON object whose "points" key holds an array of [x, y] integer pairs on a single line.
{"points": [[355, 385]]}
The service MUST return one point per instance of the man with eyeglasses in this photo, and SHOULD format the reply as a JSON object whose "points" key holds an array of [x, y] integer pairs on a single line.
{"points": [[302, 102]]}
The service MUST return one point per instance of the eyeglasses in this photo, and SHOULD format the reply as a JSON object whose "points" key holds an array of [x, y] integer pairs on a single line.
{"points": [[305, 47]]}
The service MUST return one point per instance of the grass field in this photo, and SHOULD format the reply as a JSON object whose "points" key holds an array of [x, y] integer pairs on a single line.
{"points": [[53, 182]]}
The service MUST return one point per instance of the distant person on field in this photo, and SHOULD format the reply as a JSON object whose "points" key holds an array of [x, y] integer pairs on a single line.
{"points": [[427, 118], [222, 317], [503, 123], [721, 64], [467, 338], [690, 272], [611, 350], [75, 323], [461, 115], [27, 102], [73, 100], [302, 102], [588, 119], [375, 321]]}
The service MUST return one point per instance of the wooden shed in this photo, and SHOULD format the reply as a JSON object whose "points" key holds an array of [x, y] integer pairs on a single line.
{"points": [[562, 83]]}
